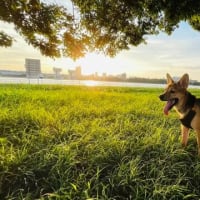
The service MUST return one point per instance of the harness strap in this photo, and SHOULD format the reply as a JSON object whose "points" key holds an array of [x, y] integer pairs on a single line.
{"points": [[187, 119]]}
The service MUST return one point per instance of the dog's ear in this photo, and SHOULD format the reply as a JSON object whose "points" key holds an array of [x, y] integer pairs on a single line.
{"points": [[169, 79], [184, 81]]}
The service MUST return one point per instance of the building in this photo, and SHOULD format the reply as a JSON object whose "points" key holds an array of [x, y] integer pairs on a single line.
{"points": [[57, 72], [122, 76], [10, 73], [33, 68], [104, 75], [75, 74], [78, 72]]}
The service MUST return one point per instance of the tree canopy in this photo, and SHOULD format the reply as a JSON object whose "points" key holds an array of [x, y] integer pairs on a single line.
{"points": [[108, 26]]}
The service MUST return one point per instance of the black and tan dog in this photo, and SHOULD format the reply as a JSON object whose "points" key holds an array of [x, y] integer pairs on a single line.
{"points": [[186, 105]]}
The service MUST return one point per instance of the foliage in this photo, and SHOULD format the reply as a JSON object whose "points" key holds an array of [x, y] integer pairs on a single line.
{"points": [[61, 142], [104, 25], [43, 26], [195, 22], [5, 40], [115, 25]]}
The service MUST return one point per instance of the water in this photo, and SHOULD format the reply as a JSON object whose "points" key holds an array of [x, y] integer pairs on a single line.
{"points": [[13, 80]]}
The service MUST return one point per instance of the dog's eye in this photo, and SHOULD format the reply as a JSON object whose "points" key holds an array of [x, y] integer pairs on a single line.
{"points": [[172, 91]]}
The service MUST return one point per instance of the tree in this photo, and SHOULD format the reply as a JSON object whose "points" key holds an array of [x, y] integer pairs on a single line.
{"points": [[48, 27], [116, 24], [103, 25]]}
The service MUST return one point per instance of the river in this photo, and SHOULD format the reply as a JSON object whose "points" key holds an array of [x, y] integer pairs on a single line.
{"points": [[14, 80]]}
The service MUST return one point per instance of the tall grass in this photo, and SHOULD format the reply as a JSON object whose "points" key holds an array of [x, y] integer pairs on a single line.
{"points": [[92, 143]]}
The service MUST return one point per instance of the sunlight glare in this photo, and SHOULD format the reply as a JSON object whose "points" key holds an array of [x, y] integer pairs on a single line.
{"points": [[91, 83], [99, 64], [96, 63]]}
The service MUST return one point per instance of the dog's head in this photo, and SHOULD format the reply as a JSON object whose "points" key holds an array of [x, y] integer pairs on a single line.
{"points": [[175, 92]]}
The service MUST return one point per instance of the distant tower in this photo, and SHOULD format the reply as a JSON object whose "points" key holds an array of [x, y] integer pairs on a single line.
{"points": [[78, 72], [33, 68], [104, 75], [123, 76], [75, 74], [96, 75], [57, 72]]}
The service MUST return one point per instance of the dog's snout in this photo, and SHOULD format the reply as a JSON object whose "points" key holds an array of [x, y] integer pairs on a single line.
{"points": [[161, 97]]}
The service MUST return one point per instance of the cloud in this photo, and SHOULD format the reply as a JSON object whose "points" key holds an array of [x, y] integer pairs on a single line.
{"points": [[167, 50]]}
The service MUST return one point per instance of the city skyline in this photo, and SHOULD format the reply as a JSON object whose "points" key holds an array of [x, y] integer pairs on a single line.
{"points": [[33, 69]]}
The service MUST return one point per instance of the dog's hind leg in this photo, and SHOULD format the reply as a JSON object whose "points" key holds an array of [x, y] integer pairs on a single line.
{"points": [[185, 135]]}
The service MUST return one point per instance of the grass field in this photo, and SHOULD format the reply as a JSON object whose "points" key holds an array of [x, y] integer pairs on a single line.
{"points": [[93, 143]]}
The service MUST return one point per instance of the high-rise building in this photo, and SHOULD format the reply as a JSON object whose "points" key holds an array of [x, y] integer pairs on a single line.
{"points": [[33, 68]]}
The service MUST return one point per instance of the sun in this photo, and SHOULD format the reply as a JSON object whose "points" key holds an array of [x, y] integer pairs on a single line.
{"points": [[100, 64], [95, 63]]}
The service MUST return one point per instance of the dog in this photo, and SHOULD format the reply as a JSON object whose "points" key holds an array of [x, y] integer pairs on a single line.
{"points": [[186, 105]]}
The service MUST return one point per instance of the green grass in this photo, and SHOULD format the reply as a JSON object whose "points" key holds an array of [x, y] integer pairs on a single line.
{"points": [[92, 143]]}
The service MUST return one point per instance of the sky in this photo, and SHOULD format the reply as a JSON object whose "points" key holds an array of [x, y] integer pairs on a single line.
{"points": [[176, 54]]}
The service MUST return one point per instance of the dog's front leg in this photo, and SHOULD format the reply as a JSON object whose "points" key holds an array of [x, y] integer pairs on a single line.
{"points": [[185, 134], [198, 141]]}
